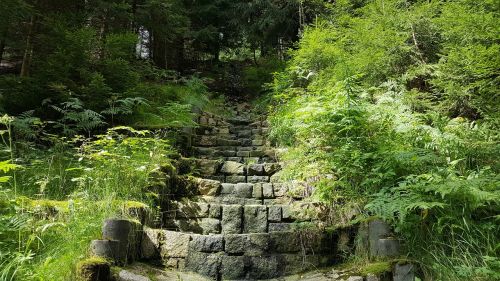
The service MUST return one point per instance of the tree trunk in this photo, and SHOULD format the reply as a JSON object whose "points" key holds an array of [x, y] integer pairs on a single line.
{"points": [[28, 50], [2, 48]]}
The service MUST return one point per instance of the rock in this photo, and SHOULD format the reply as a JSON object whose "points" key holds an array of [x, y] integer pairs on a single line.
{"points": [[280, 189], [285, 242], [215, 211], [127, 233], [236, 243], [233, 267], [225, 142], [174, 244], [233, 168], [372, 277], [257, 190], [257, 244], [243, 190], [377, 229], [235, 179], [227, 188], [387, 247], [207, 243], [271, 168], [404, 272], [210, 226], [245, 134], [267, 190], [256, 153], [108, 249], [207, 264], [274, 214], [256, 169], [257, 179], [279, 227], [234, 159], [243, 153], [207, 141], [150, 245], [355, 278], [125, 275], [208, 187], [263, 267], [232, 219], [191, 209], [255, 219], [207, 167]]}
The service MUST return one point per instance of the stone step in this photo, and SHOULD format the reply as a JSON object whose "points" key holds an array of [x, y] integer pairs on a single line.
{"points": [[236, 171], [239, 256]]}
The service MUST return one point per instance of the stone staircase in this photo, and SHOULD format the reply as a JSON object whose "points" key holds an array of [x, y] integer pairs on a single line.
{"points": [[225, 215], [241, 223]]}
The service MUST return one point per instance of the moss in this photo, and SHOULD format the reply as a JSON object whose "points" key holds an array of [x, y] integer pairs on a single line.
{"points": [[44, 205], [93, 269], [376, 268]]}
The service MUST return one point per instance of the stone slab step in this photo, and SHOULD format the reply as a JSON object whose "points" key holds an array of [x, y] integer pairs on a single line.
{"points": [[239, 256]]}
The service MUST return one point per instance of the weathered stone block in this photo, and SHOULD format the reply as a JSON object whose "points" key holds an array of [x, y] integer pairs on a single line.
{"points": [[263, 267], [377, 229], [285, 242], [232, 219], [207, 243], [225, 142], [279, 227], [256, 179], [150, 244], [387, 247], [174, 244], [355, 278], [235, 179], [215, 211], [236, 243], [271, 168], [243, 190], [255, 219], [267, 190], [234, 159], [227, 188], [372, 277], [245, 142], [206, 140], [233, 168], [274, 214], [210, 226], [403, 272], [243, 153], [280, 189], [256, 153], [191, 209], [256, 169], [206, 264], [257, 190], [258, 244], [125, 275], [207, 167], [109, 249], [244, 133], [233, 267], [208, 187], [127, 233]]}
